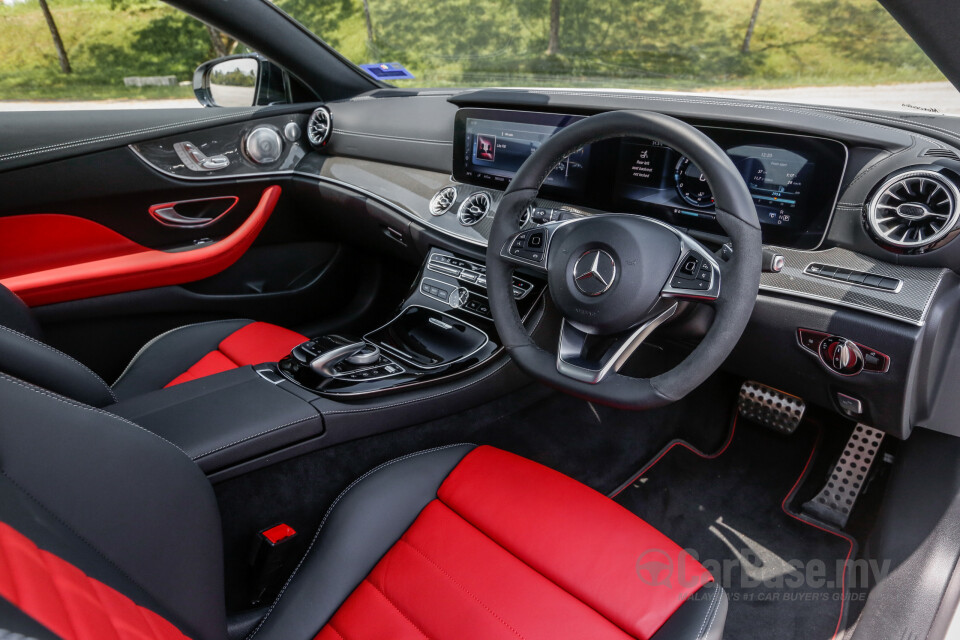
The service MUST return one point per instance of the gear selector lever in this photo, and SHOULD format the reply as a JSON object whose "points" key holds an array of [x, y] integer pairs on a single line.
{"points": [[323, 354]]}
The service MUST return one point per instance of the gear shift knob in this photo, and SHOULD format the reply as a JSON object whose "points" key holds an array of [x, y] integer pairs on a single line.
{"points": [[325, 353]]}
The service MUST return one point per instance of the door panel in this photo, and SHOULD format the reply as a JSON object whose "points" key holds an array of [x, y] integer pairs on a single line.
{"points": [[73, 258], [104, 274]]}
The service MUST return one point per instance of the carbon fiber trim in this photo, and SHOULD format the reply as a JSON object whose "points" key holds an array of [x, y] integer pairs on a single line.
{"points": [[910, 304]]}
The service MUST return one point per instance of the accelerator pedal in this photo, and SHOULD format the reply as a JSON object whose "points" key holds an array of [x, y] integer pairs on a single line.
{"points": [[770, 407], [835, 501]]}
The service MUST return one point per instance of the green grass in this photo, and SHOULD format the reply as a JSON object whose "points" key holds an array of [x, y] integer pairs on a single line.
{"points": [[99, 42], [145, 37]]}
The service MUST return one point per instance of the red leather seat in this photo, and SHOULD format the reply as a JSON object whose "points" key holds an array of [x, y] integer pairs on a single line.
{"points": [[177, 356], [116, 535]]}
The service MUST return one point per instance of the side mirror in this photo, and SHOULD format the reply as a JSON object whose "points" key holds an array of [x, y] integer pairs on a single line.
{"points": [[243, 80]]}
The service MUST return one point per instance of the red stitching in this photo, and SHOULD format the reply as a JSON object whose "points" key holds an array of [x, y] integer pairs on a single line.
{"points": [[462, 588], [396, 608]]}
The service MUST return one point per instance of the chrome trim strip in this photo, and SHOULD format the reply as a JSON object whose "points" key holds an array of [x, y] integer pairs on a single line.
{"points": [[399, 209], [616, 360]]}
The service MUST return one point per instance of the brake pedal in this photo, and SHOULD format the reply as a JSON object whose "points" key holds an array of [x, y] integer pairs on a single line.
{"points": [[835, 501], [770, 407]]}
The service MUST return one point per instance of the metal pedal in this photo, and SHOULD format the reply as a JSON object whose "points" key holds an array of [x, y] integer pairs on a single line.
{"points": [[835, 501], [769, 407]]}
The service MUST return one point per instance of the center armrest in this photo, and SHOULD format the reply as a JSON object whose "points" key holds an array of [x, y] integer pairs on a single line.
{"points": [[225, 419]]}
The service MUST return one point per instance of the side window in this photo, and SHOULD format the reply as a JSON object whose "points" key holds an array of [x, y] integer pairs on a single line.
{"points": [[83, 54]]}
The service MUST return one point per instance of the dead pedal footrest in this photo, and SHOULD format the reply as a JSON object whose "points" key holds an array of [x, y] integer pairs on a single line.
{"points": [[835, 501], [770, 407]]}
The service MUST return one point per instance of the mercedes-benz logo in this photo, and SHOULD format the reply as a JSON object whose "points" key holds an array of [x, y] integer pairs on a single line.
{"points": [[594, 272]]}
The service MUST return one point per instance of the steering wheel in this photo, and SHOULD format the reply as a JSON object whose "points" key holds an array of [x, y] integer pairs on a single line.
{"points": [[616, 277]]}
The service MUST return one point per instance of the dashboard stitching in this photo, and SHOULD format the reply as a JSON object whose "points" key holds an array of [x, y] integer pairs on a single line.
{"points": [[113, 136], [870, 167], [720, 103]]}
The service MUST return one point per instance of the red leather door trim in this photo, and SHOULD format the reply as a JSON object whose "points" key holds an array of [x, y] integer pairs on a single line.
{"points": [[47, 258]]}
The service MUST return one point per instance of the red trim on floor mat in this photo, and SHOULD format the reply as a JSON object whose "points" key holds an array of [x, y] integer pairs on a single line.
{"points": [[850, 541], [686, 445], [783, 503]]}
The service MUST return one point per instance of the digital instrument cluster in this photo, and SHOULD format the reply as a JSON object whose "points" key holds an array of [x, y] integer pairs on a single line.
{"points": [[794, 179]]}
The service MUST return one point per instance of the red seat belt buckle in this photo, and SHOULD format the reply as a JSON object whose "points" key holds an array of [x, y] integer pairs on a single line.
{"points": [[278, 533], [271, 549]]}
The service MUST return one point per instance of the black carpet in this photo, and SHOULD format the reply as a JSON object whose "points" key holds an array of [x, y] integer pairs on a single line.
{"points": [[783, 576]]}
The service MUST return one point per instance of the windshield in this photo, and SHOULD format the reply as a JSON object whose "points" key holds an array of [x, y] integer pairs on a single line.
{"points": [[832, 52]]}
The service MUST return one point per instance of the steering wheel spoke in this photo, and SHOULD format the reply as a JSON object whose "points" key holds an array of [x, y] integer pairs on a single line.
{"points": [[531, 247], [589, 358], [696, 275]]}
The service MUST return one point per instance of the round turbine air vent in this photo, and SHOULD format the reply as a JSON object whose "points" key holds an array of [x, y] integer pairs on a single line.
{"points": [[319, 126], [442, 201], [914, 209], [474, 208]]}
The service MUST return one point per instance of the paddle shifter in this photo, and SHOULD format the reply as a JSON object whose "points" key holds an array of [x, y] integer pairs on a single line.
{"points": [[325, 353]]}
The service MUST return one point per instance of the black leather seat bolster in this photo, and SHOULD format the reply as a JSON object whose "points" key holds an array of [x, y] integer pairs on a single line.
{"points": [[114, 500], [701, 617], [358, 529], [170, 354], [29, 359]]}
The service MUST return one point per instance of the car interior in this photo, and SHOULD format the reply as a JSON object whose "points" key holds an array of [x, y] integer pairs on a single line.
{"points": [[355, 361]]}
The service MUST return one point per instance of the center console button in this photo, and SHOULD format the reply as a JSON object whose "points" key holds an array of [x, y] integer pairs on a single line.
{"points": [[469, 276]]}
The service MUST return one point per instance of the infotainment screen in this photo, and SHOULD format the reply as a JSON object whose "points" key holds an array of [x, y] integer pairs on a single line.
{"points": [[492, 150], [794, 179]]}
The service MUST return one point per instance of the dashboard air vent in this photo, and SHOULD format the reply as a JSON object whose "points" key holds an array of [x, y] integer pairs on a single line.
{"points": [[914, 209], [319, 127], [441, 202], [941, 153], [474, 209]]}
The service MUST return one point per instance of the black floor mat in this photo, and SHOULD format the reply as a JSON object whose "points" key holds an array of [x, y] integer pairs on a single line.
{"points": [[728, 509]]}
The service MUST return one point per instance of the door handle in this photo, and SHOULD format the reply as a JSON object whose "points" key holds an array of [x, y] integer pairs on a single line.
{"points": [[197, 160], [170, 216], [193, 213]]}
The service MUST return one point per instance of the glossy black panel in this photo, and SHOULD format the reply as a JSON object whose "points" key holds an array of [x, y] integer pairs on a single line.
{"points": [[428, 338]]}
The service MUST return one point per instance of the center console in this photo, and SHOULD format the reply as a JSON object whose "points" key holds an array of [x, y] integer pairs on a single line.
{"points": [[444, 328], [248, 417]]}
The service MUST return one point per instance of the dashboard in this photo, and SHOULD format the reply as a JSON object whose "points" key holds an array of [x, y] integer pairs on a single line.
{"points": [[794, 179], [863, 208]]}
